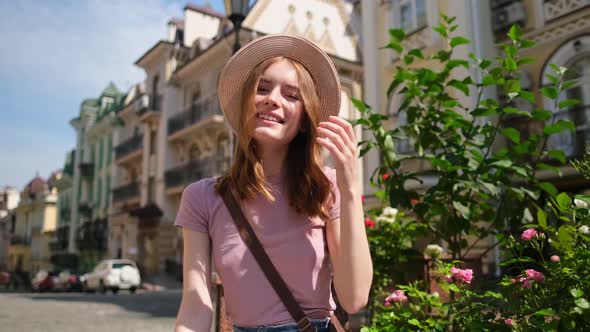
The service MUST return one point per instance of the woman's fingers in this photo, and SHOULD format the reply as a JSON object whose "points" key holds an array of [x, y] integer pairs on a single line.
{"points": [[343, 129], [334, 137], [330, 146]]}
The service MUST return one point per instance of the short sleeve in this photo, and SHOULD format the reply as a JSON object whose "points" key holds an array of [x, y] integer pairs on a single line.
{"points": [[193, 213], [334, 205]]}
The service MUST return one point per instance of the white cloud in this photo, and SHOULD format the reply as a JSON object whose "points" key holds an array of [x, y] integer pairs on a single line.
{"points": [[80, 45]]}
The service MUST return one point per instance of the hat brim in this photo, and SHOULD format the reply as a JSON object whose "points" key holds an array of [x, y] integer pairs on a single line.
{"points": [[240, 65]]}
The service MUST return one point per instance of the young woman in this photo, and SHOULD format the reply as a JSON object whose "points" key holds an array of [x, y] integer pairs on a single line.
{"points": [[281, 96]]}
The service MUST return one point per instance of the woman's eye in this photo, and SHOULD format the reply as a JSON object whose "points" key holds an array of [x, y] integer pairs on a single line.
{"points": [[295, 97], [262, 89]]}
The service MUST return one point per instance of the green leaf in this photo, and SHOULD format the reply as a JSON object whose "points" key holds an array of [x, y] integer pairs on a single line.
{"points": [[568, 103], [568, 84], [577, 292], [464, 210], [397, 34], [542, 218], [493, 189], [527, 43], [414, 322], [456, 41], [457, 63], [566, 235], [528, 96], [557, 170], [544, 312], [515, 33], [512, 134], [360, 105], [510, 64], [559, 126], [441, 31], [453, 287], [542, 115], [558, 154], [417, 53], [395, 46], [564, 201], [549, 92], [582, 303], [502, 163], [460, 86], [549, 188]]}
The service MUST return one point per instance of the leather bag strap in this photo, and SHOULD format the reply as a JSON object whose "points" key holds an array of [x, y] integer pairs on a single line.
{"points": [[271, 273]]}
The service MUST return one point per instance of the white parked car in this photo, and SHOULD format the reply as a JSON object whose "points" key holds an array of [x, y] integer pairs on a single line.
{"points": [[112, 274]]}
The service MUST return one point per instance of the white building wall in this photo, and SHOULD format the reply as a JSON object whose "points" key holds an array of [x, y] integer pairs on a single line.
{"points": [[197, 25]]}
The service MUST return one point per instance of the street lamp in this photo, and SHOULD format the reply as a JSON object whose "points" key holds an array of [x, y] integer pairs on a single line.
{"points": [[236, 11]]}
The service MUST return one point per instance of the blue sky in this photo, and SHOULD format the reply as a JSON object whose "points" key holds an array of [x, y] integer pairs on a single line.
{"points": [[54, 55]]}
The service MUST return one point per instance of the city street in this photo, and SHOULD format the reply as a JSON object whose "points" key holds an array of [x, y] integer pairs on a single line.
{"points": [[69, 312]]}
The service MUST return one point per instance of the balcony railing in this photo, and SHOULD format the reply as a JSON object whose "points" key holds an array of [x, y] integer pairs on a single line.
{"points": [[194, 171], [20, 240], [126, 192], [195, 113], [86, 169], [147, 103], [129, 146]]}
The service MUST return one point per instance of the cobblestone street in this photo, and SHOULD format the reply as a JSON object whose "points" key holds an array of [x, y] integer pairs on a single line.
{"points": [[69, 312]]}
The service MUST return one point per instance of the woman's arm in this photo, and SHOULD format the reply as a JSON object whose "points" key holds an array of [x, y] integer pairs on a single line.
{"points": [[196, 310], [346, 236]]}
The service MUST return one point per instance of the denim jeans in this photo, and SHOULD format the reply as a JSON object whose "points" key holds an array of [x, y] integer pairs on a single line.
{"points": [[321, 324]]}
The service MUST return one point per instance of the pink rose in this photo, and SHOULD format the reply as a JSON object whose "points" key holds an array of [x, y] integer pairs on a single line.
{"points": [[396, 296], [535, 275], [462, 275], [509, 321], [555, 258], [527, 284], [529, 234]]}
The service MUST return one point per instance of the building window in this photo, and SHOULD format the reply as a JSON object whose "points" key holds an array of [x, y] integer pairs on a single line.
{"points": [[573, 54], [409, 15], [574, 144]]}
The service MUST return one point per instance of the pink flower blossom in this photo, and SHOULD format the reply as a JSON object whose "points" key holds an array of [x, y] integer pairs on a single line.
{"points": [[509, 321], [535, 275], [529, 234], [527, 284], [462, 275], [396, 296], [555, 258]]}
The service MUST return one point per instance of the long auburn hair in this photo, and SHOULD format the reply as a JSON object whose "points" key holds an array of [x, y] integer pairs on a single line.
{"points": [[308, 189]]}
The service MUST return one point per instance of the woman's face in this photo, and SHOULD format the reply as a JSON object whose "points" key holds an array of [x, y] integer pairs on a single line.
{"points": [[279, 106]]}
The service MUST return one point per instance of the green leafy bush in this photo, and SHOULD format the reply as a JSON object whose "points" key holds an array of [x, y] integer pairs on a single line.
{"points": [[478, 193]]}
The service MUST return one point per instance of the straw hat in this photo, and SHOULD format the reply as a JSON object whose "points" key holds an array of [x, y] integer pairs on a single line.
{"points": [[240, 65]]}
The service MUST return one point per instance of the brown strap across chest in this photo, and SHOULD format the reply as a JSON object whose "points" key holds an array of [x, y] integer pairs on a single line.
{"points": [[271, 273]]}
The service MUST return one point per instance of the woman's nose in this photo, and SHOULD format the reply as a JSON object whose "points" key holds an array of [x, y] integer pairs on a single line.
{"points": [[273, 97]]}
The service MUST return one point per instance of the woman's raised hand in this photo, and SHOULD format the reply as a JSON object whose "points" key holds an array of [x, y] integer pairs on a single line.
{"points": [[337, 135]]}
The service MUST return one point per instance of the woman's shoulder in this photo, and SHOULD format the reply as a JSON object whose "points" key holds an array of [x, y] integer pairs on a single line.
{"points": [[202, 187]]}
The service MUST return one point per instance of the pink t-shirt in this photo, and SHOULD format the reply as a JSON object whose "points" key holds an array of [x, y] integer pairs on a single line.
{"points": [[295, 244]]}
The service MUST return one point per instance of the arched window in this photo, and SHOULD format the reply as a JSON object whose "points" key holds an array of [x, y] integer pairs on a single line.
{"points": [[575, 55]]}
